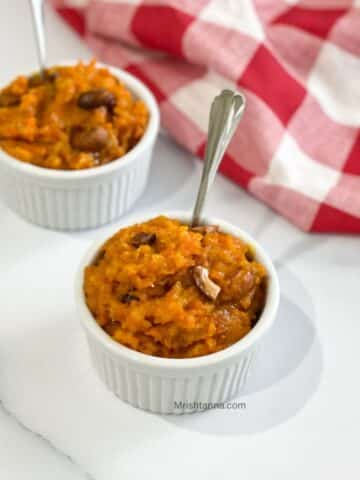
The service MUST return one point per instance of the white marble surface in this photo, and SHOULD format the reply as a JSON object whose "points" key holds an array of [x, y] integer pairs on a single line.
{"points": [[302, 416]]}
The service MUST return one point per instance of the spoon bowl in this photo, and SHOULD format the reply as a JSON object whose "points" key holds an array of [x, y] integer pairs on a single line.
{"points": [[225, 114]]}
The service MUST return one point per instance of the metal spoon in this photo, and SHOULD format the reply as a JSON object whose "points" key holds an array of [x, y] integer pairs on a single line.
{"points": [[37, 8], [225, 114]]}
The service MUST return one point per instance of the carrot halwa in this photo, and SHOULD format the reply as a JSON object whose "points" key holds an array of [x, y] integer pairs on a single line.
{"points": [[169, 290], [69, 118]]}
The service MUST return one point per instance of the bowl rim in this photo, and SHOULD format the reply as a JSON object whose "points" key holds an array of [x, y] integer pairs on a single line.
{"points": [[144, 360], [137, 87]]}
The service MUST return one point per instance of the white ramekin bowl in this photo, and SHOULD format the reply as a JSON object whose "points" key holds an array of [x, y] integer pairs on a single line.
{"points": [[165, 385], [76, 200]]}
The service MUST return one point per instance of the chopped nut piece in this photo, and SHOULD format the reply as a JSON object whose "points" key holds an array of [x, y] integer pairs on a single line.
{"points": [[204, 283], [128, 298], [92, 140], [143, 238], [249, 280], [96, 158], [203, 229]]}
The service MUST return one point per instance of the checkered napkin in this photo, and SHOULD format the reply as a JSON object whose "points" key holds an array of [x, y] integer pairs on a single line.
{"points": [[298, 145]]}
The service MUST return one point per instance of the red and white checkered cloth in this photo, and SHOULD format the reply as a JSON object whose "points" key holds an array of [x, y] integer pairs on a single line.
{"points": [[298, 62]]}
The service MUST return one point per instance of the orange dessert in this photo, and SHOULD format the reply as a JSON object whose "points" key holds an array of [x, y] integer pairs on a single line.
{"points": [[169, 290], [72, 117]]}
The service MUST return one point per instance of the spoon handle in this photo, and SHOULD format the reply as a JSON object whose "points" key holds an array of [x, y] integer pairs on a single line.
{"points": [[37, 8], [225, 114]]}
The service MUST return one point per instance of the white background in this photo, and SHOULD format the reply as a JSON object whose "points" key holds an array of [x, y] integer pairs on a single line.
{"points": [[302, 416]]}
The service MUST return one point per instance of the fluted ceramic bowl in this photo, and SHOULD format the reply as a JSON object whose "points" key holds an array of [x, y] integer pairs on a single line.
{"points": [[167, 385], [82, 199]]}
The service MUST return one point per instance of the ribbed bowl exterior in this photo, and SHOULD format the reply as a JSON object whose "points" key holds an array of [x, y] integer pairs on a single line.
{"points": [[173, 394], [77, 206], [163, 385]]}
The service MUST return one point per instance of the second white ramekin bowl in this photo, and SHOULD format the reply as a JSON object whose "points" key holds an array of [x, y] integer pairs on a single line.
{"points": [[82, 199], [165, 385]]}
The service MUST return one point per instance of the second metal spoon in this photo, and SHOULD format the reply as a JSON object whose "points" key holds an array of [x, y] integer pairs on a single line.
{"points": [[37, 8], [225, 114]]}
